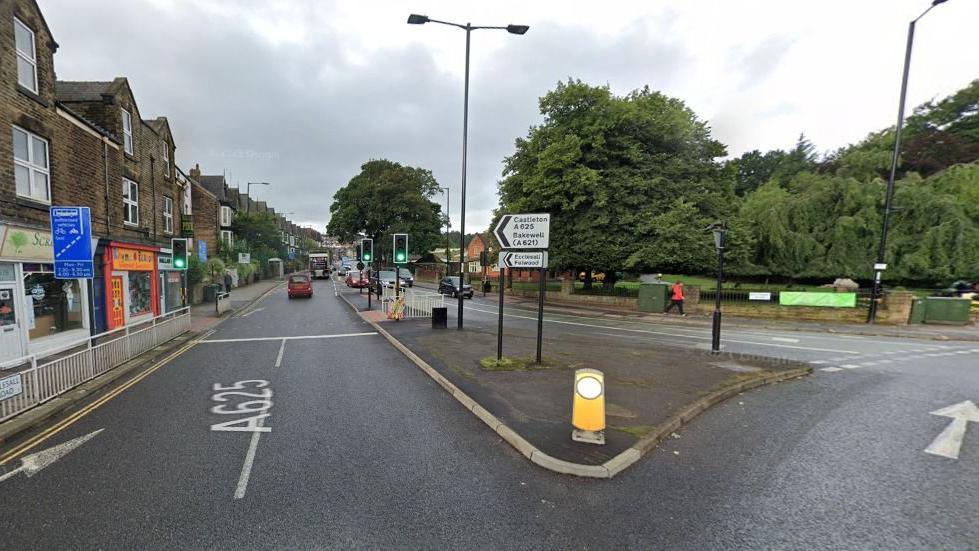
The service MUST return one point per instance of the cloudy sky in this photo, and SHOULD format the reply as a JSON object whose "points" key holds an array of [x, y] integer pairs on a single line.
{"points": [[300, 93]]}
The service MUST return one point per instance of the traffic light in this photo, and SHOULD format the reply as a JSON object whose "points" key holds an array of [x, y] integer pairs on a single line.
{"points": [[401, 248], [367, 250], [179, 247]]}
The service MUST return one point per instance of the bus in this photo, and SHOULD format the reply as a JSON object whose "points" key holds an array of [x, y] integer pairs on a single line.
{"points": [[319, 265]]}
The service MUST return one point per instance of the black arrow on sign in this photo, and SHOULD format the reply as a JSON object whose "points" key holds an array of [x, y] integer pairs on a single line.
{"points": [[506, 260], [499, 231]]}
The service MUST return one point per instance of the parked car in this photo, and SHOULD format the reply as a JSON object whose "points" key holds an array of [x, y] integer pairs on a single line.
{"points": [[406, 276], [387, 279], [357, 280], [300, 285], [450, 286]]}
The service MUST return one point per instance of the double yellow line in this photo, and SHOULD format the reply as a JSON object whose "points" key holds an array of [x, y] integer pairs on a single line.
{"points": [[68, 421]]}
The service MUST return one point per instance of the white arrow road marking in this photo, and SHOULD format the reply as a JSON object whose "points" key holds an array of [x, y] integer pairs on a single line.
{"points": [[250, 312], [949, 442], [31, 464]]}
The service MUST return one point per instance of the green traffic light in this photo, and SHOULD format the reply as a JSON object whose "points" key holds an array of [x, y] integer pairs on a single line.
{"points": [[401, 256]]}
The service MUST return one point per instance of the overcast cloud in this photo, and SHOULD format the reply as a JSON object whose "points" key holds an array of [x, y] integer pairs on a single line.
{"points": [[301, 93]]}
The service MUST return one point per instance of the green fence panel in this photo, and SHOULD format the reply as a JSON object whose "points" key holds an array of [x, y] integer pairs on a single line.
{"points": [[826, 300]]}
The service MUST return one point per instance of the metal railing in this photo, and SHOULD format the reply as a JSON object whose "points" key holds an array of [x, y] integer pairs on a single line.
{"points": [[43, 378], [417, 304]]}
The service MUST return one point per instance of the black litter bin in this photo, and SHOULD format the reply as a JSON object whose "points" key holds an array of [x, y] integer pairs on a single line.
{"points": [[440, 317], [211, 292]]}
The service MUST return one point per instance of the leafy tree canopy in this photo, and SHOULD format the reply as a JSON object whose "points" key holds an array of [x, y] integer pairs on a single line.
{"points": [[607, 166], [386, 198]]}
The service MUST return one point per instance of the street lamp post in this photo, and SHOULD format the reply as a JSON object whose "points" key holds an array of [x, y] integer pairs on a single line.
{"points": [[880, 265], [415, 19], [720, 233], [248, 192], [448, 226]]}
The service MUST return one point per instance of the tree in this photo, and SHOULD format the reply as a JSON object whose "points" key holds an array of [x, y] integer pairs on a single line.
{"points": [[754, 168], [605, 167], [258, 234], [387, 198]]}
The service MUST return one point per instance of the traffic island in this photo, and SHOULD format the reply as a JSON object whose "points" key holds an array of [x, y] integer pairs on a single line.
{"points": [[651, 390]]}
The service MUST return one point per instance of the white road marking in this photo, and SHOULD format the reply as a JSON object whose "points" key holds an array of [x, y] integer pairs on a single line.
{"points": [[292, 338], [246, 468], [282, 348], [949, 442], [850, 366], [865, 364], [818, 362], [831, 369], [705, 337], [252, 311], [884, 361], [31, 464], [784, 339]]}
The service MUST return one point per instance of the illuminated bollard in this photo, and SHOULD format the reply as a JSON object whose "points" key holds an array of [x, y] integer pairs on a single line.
{"points": [[588, 411]]}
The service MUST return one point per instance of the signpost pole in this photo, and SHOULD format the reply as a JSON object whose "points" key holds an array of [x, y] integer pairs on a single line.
{"points": [[540, 313], [499, 323]]}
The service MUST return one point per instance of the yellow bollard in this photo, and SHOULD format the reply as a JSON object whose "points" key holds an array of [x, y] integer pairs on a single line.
{"points": [[588, 410]]}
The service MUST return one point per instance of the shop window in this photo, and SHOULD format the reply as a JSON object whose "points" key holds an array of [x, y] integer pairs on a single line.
{"points": [[56, 303], [140, 293]]}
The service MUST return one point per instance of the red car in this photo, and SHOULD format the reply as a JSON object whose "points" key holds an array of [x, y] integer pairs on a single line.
{"points": [[300, 285], [357, 280]]}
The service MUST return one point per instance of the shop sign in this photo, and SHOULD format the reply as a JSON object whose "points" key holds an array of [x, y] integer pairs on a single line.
{"points": [[164, 261], [25, 244], [186, 225], [132, 259]]}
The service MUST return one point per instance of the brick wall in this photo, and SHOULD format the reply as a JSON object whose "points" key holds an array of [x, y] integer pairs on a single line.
{"points": [[32, 112], [205, 213], [158, 179]]}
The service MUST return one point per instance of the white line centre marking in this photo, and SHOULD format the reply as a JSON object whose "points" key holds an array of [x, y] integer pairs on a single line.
{"points": [[282, 348], [246, 468], [831, 369], [784, 339], [293, 338]]}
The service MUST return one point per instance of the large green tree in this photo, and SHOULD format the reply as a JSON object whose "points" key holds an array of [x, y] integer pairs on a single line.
{"points": [[608, 169], [386, 198]]}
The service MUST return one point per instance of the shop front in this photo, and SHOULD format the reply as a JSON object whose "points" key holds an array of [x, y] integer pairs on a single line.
{"points": [[132, 289], [171, 282], [38, 313]]}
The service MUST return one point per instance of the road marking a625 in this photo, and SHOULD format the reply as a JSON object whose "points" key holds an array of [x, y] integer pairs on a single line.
{"points": [[250, 396]]}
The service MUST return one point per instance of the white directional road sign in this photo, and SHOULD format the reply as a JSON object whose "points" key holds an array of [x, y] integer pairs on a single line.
{"points": [[518, 260], [31, 464], [524, 231]]}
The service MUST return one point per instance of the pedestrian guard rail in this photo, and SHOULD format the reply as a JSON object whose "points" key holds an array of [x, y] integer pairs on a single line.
{"points": [[416, 303], [56, 372]]}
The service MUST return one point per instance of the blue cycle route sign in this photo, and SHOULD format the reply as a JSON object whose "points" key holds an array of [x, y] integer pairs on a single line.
{"points": [[71, 238], [202, 250]]}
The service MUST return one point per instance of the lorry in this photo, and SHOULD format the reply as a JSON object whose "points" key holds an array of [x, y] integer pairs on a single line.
{"points": [[319, 265]]}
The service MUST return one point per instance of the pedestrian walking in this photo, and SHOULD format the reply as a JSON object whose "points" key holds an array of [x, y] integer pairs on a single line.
{"points": [[227, 282], [676, 298]]}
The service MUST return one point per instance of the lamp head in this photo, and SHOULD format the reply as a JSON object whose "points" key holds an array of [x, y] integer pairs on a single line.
{"points": [[415, 19], [521, 29]]}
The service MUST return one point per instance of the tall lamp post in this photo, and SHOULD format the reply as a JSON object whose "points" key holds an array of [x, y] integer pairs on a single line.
{"points": [[415, 19], [881, 265], [448, 226], [720, 232], [248, 192]]}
